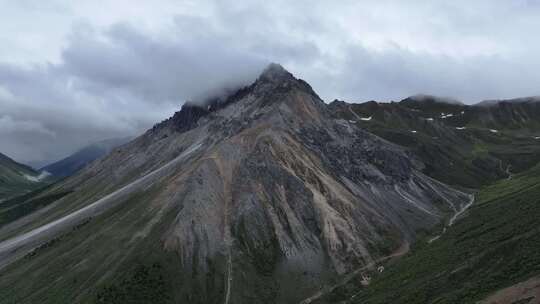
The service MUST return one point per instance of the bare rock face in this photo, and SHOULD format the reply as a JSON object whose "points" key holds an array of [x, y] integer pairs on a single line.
{"points": [[257, 198]]}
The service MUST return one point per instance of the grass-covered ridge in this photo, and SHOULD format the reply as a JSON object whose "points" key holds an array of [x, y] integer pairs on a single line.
{"points": [[17, 207], [15, 178], [496, 245], [469, 146]]}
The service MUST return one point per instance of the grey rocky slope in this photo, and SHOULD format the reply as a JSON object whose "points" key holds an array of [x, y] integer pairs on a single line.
{"points": [[259, 197]]}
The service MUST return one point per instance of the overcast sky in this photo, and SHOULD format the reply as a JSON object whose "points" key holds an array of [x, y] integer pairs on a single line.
{"points": [[74, 72]]}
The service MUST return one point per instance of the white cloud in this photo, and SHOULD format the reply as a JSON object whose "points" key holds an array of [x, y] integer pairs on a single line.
{"points": [[8, 125]]}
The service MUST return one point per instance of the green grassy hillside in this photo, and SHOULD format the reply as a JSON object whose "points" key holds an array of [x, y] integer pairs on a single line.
{"points": [[495, 245], [16, 179], [14, 208], [469, 146]]}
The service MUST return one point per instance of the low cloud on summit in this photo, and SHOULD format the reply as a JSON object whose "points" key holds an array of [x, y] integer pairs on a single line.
{"points": [[85, 71]]}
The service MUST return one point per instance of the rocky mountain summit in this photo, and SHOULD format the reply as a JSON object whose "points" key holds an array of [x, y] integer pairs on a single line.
{"points": [[258, 197]]}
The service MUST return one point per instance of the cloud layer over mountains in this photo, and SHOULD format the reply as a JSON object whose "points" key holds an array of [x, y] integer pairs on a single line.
{"points": [[76, 72]]}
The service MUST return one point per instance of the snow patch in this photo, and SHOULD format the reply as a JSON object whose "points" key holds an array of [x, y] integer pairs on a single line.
{"points": [[366, 118], [414, 131], [493, 131], [461, 128], [443, 115], [537, 137], [429, 119]]}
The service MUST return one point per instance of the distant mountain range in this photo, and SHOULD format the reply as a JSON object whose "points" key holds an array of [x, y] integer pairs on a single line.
{"points": [[73, 163]]}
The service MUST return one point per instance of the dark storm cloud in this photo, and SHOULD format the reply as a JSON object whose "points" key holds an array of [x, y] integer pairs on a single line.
{"points": [[118, 81], [112, 83], [118, 67], [128, 62]]}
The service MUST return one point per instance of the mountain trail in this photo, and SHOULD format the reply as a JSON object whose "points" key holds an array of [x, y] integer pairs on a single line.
{"points": [[462, 210], [508, 172], [453, 219], [402, 250]]}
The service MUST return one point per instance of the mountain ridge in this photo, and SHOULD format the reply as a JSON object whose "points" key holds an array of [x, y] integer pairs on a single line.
{"points": [[17, 179], [463, 145], [74, 162]]}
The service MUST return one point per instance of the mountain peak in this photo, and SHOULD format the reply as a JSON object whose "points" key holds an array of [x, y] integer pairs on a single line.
{"points": [[271, 87], [276, 79], [495, 102], [425, 98], [274, 72]]}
